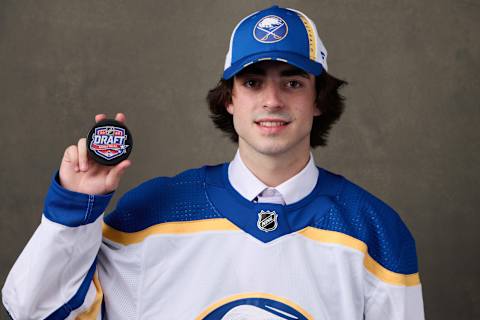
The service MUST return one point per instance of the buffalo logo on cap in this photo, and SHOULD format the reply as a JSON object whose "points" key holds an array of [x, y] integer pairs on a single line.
{"points": [[270, 29]]}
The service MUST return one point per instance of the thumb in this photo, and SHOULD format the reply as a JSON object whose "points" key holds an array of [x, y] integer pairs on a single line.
{"points": [[113, 177]]}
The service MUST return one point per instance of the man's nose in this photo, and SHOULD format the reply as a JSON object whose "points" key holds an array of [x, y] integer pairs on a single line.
{"points": [[272, 98]]}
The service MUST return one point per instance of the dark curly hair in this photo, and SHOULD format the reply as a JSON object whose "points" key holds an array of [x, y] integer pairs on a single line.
{"points": [[328, 100]]}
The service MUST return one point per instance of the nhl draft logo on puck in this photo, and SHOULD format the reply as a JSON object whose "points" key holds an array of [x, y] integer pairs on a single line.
{"points": [[267, 220], [270, 29], [109, 142]]}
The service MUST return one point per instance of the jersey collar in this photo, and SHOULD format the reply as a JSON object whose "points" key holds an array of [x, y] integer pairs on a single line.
{"points": [[294, 189]]}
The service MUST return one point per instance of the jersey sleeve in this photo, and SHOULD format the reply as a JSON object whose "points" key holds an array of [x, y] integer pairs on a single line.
{"points": [[393, 295], [55, 275], [392, 283]]}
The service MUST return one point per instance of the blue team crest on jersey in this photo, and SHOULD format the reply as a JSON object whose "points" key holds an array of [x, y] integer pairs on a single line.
{"points": [[109, 142], [270, 29], [255, 308], [267, 220]]}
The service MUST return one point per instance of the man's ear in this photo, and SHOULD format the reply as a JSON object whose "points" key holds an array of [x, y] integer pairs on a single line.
{"points": [[229, 104], [229, 107]]}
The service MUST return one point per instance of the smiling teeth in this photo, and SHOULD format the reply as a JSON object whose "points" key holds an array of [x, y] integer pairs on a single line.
{"points": [[271, 124]]}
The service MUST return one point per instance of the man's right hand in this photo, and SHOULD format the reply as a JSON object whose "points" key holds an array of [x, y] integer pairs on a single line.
{"points": [[79, 173]]}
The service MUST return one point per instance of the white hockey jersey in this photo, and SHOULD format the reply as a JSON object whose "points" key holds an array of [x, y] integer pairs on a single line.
{"points": [[191, 247]]}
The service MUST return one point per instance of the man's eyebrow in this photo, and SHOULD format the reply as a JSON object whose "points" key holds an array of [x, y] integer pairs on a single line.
{"points": [[294, 72]]}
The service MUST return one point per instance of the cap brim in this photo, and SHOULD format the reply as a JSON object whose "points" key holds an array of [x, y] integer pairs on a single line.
{"points": [[294, 59]]}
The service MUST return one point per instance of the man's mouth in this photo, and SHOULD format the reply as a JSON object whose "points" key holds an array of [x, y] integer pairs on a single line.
{"points": [[272, 126], [271, 123]]}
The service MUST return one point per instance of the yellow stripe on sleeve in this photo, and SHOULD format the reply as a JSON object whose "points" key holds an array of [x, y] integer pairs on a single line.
{"points": [[94, 310], [370, 264]]}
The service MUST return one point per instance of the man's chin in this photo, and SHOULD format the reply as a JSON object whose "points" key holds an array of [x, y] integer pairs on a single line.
{"points": [[267, 147], [272, 149]]}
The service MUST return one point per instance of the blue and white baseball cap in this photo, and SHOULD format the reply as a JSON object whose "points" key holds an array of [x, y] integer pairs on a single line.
{"points": [[276, 33]]}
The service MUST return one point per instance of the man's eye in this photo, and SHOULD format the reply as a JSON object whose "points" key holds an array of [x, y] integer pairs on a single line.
{"points": [[294, 84], [251, 83]]}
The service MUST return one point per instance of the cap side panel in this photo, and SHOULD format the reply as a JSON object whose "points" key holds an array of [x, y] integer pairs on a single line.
{"points": [[228, 59], [320, 50], [311, 37]]}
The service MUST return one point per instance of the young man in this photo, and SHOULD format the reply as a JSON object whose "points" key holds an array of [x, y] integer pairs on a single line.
{"points": [[267, 236]]}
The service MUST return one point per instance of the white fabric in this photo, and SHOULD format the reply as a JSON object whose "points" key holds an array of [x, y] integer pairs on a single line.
{"points": [[250, 313], [168, 272], [270, 195], [292, 190], [177, 276], [89, 299], [173, 276], [51, 268], [385, 301]]}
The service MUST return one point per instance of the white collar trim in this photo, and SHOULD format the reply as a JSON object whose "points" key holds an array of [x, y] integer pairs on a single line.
{"points": [[294, 189]]}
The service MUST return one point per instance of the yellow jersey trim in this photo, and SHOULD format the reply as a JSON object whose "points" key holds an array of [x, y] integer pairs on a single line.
{"points": [[94, 310], [222, 224], [326, 236], [224, 301], [177, 227]]}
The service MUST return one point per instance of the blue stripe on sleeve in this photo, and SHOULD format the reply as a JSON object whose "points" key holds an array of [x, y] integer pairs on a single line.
{"points": [[71, 208], [77, 300]]}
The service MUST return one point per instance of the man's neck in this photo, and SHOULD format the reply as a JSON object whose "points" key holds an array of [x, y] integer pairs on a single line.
{"points": [[274, 169]]}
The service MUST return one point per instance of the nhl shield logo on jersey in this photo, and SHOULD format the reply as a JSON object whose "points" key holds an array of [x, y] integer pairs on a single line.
{"points": [[267, 220], [270, 29], [109, 142]]}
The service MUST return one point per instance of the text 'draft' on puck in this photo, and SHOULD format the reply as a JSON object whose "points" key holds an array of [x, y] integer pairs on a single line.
{"points": [[109, 142]]}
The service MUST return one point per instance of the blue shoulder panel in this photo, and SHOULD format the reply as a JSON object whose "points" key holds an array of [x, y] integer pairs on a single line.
{"points": [[335, 204], [363, 216], [163, 199]]}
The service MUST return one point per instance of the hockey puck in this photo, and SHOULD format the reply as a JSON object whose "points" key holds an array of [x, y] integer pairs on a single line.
{"points": [[109, 142]]}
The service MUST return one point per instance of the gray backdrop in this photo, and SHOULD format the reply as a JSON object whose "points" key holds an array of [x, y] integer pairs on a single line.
{"points": [[408, 134]]}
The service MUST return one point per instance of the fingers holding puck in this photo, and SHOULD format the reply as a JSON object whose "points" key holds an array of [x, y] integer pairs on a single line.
{"points": [[109, 142]]}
